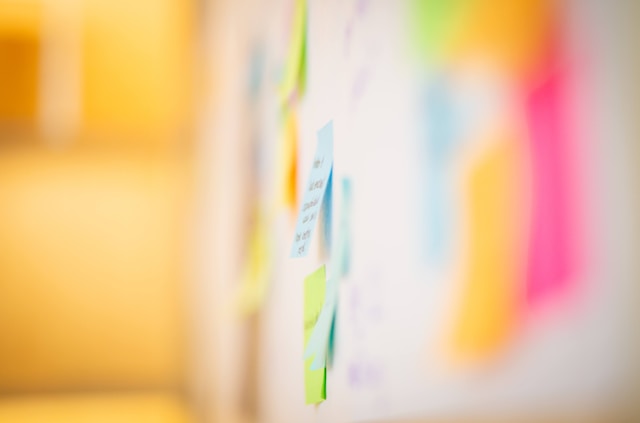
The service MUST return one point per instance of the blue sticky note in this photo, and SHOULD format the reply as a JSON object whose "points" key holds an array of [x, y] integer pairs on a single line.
{"points": [[320, 342], [314, 192]]}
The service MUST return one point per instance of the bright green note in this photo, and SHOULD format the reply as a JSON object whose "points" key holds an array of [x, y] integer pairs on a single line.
{"points": [[315, 385], [295, 72], [435, 23]]}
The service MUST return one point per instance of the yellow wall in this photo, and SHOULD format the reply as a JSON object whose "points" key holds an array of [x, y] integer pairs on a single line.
{"points": [[137, 65], [20, 18], [90, 271], [18, 79], [91, 238], [20, 23]]}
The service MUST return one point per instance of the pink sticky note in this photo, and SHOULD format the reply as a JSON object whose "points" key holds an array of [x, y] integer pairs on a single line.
{"points": [[552, 248]]}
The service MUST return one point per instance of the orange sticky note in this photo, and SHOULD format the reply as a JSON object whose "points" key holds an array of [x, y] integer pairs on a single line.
{"points": [[289, 161], [488, 307], [510, 34]]}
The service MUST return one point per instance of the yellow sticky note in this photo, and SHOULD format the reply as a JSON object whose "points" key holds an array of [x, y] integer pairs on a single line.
{"points": [[255, 275], [314, 292], [488, 309]]}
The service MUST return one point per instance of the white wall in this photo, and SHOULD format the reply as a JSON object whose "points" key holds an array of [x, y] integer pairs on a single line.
{"points": [[360, 75]]}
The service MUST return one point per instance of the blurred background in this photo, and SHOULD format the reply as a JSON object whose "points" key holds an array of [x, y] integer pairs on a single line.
{"points": [[97, 103], [142, 148]]}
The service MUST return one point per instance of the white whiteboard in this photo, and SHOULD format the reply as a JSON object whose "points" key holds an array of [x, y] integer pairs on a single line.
{"points": [[392, 304]]}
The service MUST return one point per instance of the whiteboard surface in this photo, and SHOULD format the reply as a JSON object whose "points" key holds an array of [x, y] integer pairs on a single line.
{"points": [[394, 305]]}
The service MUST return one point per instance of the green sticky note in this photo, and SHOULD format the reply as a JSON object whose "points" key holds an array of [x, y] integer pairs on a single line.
{"points": [[434, 24], [315, 381], [295, 72]]}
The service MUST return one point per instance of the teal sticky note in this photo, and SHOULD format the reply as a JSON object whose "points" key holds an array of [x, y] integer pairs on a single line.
{"points": [[331, 346], [343, 257], [326, 218], [318, 345], [314, 192]]}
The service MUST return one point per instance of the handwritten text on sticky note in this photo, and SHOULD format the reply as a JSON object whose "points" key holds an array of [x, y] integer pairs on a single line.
{"points": [[314, 194]]}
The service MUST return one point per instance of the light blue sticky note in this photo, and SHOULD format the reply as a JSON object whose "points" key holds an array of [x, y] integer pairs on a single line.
{"points": [[318, 345], [314, 192], [440, 139]]}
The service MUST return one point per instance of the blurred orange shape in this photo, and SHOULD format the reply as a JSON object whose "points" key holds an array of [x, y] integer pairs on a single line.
{"points": [[289, 160], [488, 308]]}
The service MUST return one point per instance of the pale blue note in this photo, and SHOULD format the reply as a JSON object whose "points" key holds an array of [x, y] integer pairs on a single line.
{"points": [[320, 341], [440, 140], [314, 192]]}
